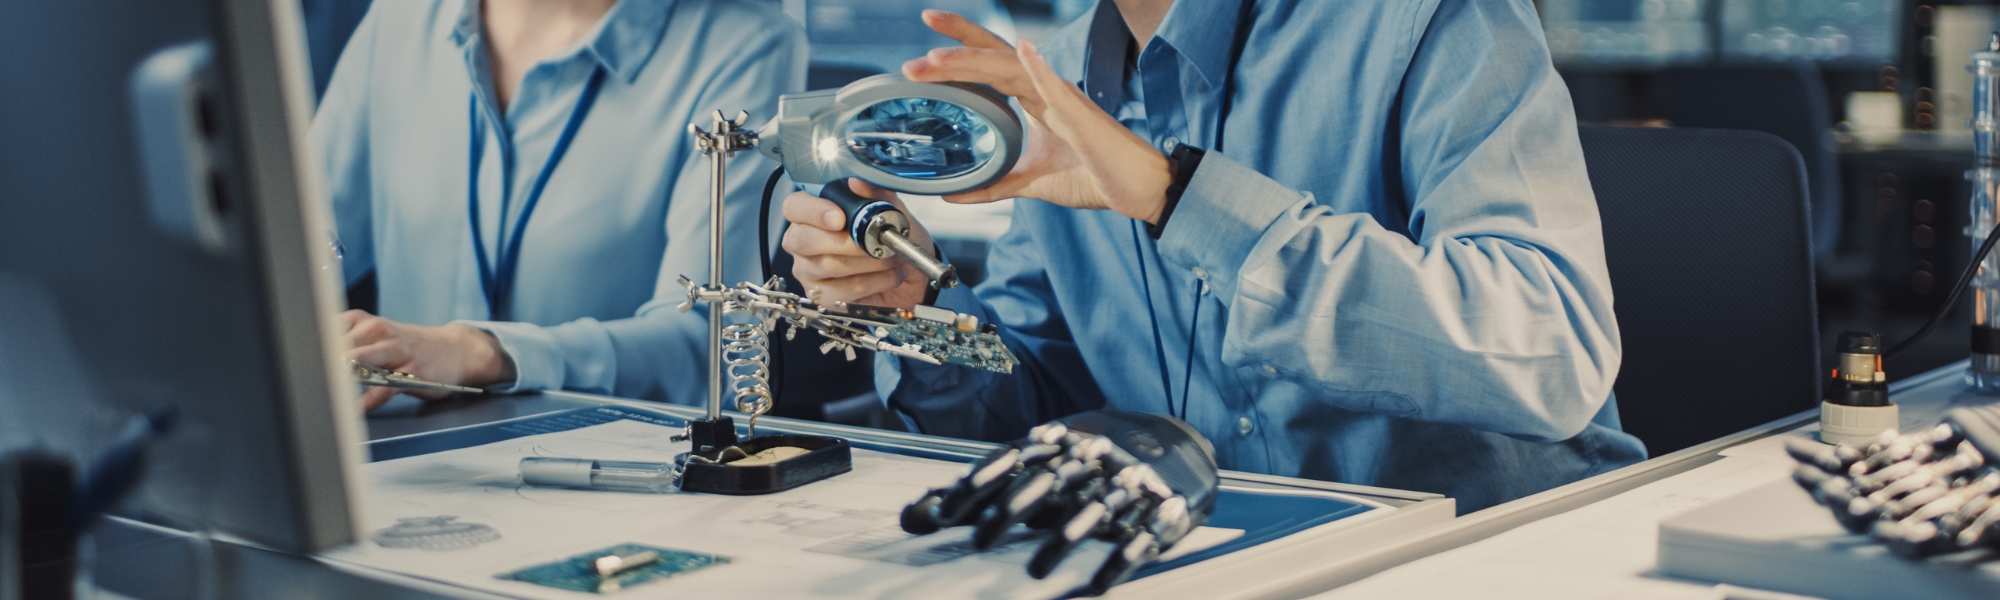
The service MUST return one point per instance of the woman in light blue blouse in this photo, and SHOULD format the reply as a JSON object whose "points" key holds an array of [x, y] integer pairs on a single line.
{"points": [[518, 175]]}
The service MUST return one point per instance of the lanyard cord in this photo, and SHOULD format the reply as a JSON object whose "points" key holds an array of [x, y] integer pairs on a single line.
{"points": [[1244, 16], [1159, 348], [498, 283]]}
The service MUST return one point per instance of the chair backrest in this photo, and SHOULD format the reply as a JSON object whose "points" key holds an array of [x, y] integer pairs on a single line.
{"points": [[1787, 100], [1705, 234]]}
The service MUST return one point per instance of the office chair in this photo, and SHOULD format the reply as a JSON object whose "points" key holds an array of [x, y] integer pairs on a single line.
{"points": [[1787, 100], [1706, 237]]}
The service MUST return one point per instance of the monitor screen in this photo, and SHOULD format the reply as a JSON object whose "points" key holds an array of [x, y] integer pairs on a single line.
{"points": [[163, 246]]}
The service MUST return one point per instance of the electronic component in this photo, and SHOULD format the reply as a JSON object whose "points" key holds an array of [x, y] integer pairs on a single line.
{"points": [[1857, 406], [942, 336], [928, 334], [584, 572], [368, 374], [618, 563]]}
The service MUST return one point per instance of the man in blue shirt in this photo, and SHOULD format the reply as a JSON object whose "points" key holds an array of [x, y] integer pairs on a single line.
{"points": [[1350, 241], [556, 269]]}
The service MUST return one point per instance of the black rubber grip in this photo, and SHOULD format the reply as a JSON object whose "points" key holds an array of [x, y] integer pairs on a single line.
{"points": [[844, 197], [1985, 340]]}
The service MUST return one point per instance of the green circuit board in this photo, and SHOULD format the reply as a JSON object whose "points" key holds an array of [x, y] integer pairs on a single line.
{"points": [[579, 574], [947, 336]]}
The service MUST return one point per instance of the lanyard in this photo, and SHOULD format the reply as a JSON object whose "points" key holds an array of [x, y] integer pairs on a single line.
{"points": [[498, 283], [1244, 15]]}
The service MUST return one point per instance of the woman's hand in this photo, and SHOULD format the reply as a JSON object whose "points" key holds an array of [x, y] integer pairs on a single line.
{"points": [[454, 354], [828, 259], [1077, 156]]}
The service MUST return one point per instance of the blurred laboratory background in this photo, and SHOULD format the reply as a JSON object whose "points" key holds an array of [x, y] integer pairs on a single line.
{"points": [[1873, 93]]}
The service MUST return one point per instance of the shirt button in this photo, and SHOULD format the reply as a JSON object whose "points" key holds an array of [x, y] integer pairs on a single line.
{"points": [[1169, 145], [1200, 273], [1244, 426]]}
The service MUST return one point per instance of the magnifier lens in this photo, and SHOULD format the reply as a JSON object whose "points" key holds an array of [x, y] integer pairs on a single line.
{"points": [[921, 138]]}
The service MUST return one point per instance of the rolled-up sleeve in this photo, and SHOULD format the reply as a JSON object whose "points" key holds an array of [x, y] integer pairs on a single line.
{"points": [[1494, 313]]}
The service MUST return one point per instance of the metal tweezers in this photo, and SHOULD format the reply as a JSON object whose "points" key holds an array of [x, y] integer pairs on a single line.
{"points": [[373, 375]]}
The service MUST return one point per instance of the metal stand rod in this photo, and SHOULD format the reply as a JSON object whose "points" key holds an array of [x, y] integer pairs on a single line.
{"points": [[715, 375], [718, 145]]}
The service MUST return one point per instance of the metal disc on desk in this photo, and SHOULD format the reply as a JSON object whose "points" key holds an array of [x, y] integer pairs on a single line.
{"points": [[435, 533]]}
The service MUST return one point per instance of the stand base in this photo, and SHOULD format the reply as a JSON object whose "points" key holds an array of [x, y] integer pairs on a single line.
{"points": [[39, 557], [824, 457]]}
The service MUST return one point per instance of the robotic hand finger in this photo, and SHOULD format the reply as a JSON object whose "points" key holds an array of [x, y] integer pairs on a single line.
{"points": [[1921, 494], [1140, 482]]}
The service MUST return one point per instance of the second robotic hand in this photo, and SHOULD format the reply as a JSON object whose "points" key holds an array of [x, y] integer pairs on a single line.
{"points": [[881, 229]]}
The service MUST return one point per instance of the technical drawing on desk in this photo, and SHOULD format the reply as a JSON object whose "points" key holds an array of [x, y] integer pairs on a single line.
{"points": [[781, 546]]}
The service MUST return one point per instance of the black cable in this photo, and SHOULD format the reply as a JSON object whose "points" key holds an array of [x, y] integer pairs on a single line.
{"points": [[1159, 348], [1957, 290], [764, 222], [1194, 329], [776, 342]]}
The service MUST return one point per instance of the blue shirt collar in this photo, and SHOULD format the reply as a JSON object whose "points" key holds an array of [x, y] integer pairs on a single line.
{"points": [[622, 42], [1203, 32]]}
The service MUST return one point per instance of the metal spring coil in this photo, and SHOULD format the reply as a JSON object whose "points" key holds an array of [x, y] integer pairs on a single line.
{"points": [[745, 353]]}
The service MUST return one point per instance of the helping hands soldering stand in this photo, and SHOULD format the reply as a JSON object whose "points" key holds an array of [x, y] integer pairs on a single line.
{"points": [[717, 463], [924, 138]]}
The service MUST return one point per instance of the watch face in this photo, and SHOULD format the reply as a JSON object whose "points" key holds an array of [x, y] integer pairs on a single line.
{"points": [[920, 138]]}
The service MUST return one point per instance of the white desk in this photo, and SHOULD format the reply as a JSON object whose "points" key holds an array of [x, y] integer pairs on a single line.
{"points": [[159, 562], [1605, 548]]}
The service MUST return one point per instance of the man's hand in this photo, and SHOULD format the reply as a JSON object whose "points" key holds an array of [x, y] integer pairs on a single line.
{"points": [[453, 354], [828, 259], [1077, 156]]}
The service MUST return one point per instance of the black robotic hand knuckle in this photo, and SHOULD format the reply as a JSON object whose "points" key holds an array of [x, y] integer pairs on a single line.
{"points": [[1138, 481]]}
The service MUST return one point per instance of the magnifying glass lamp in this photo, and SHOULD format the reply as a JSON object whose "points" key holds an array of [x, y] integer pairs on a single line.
{"points": [[918, 138]]}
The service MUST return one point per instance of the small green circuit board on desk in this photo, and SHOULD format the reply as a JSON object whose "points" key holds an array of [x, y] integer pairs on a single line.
{"points": [[950, 337], [579, 573]]}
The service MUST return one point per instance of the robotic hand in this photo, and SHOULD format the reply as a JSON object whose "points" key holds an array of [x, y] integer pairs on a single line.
{"points": [[1138, 481], [1922, 494]]}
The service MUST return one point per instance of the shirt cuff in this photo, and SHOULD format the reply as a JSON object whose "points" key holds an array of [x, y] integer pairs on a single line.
{"points": [[1223, 214], [577, 355]]}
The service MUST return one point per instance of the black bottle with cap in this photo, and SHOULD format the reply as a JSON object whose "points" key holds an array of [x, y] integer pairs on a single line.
{"points": [[1857, 407], [1859, 380]]}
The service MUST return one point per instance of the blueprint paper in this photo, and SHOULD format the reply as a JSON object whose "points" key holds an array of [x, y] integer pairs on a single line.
{"points": [[837, 538]]}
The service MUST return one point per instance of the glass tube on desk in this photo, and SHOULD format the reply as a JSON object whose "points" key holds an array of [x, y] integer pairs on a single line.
{"points": [[1984, 371]]}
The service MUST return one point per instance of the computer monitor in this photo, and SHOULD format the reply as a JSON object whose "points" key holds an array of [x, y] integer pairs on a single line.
{"points": [[1622, 34], [1835, 33], [163, 243]]}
